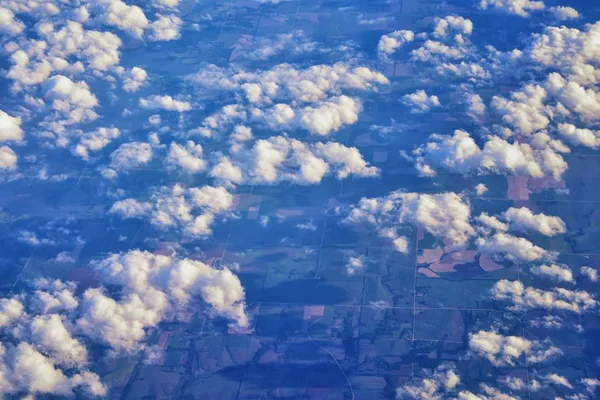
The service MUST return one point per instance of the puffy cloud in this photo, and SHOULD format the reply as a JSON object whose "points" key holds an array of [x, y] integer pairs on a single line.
{"points": [[480, 189], [130, 208], [558, 299], [437, 52], [129, 18], [178, 207], [526, 110], [134, 79], [165, 28], [188, 158], [523, 219], [8, 158], [444, 215], [8, 23], [50, 333], [564, 13], [584, 102], [95, 141], [331, 115], [153, 284], [518, 7], [555, 272], [391, 42], [280, 158], [571, 51], [10, 128], [557, 380], [444, 26], [10, 311], [475, 106], [590, 273], [460, 153], [419, 102], [487, 393], [580, 137], [284, 82], [164, 103], [512, 247], [131, 155], [355, 264], [24, 369], [507, 350], [443, 380]]}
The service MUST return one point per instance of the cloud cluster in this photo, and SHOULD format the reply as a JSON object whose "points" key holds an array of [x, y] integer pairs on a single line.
{"points": [[388, 44], [557, 299], [503, 350], [193, 210], [442, 381], [444, 215], [517, 7]]}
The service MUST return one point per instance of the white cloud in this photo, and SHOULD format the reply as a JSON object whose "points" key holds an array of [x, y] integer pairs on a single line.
{"points": [[355, 264], [444, 26], [475, 106], [507, 350], [523, 219], [518, 7], [50, 333], [10, 128], [460, 153], [8, 23], [129, 18], [164, 103], [438, 385], [10, 311], [563, 13], [480, 189], [559, 299], [165, 28], [95, 141], [555, 272], [331, 115], [130, 208], [131, 155], [188, 158], [420, 102], [557, 380], [154, 284], [579, 136], [512, 247], [8, 158], [590, 273], [24, 369], [444, 215], [391, 42], [134, 79], [526, 109]]}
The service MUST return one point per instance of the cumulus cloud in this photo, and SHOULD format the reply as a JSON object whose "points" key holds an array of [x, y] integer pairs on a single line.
{"points": [[557, 299], [8, 23], [590, 273], [391, 42], [95, 141], [165, 28], [130, 155], [516, 248], [517, 7], [188, 158], [134, 79], [8, 158], [579, 136], [523, 219], [10, 128], [507, 350], [563, 13], [447, 25], [193, 210], [331, 115], [280, 158], [420, 102], [437, 385], [355, 264], [129, 18], [444, 215], [555, 272], [153, 284], [167, 103], [460, 153]]}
